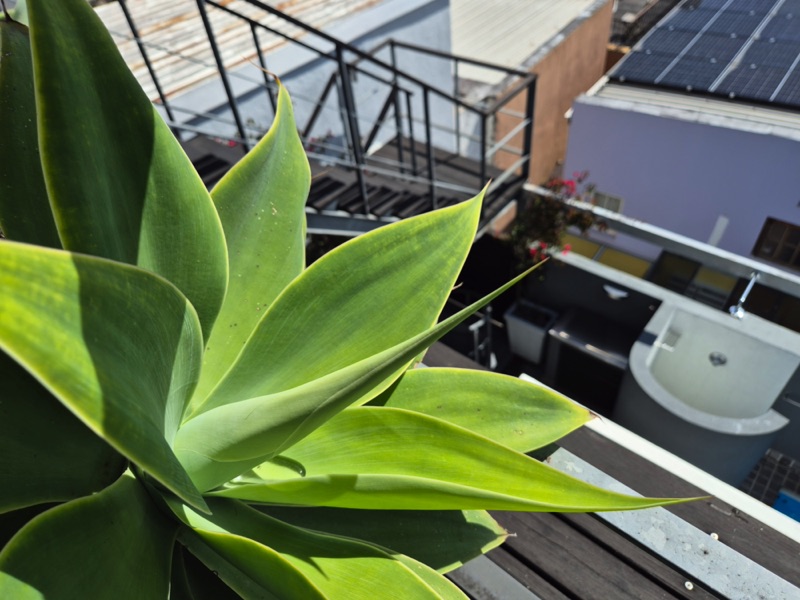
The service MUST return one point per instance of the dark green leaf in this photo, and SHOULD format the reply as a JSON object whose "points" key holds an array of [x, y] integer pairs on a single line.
{"points": [[117, 345], [339, 567], [25, 213], [120, 185], [46, 454], [114, 544], [418, 534]]}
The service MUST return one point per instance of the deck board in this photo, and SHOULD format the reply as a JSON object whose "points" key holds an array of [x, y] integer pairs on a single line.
{"points": [[584, 556], [738, 531], [577, 562]]}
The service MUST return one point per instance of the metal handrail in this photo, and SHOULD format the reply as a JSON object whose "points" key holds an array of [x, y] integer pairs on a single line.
{"points": [[398, 82]]}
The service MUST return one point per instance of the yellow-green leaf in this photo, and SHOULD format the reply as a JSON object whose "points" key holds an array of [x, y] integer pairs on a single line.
{"points": [[516, 413], [261, 202], [389, 458], [223, 442], [254, 571], [370, 294]]}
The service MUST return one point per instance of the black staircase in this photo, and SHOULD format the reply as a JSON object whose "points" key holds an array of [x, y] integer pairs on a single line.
{"points": [[423, 146]]}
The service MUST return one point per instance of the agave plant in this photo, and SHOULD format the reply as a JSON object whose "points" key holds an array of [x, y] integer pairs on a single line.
{"points": [[187, 411]]}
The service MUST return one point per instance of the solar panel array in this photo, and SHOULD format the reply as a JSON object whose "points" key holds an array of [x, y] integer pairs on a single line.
{"points": [[747, 49]]}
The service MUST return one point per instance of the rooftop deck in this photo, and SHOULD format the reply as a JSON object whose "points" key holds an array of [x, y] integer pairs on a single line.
{"points": [[727, 545]]}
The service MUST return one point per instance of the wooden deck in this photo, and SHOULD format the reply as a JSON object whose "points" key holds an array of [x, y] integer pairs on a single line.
{"points": [[707, 549]]}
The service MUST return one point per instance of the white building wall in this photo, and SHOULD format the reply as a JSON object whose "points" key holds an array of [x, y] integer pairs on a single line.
{"points": [[683, 174]]}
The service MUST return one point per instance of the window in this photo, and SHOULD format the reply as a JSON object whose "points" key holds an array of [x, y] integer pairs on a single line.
{"points": [[779, 242], [613, 203]]}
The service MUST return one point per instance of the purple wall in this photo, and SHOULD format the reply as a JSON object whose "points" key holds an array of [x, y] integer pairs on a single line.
{"points": [[682, 175]]}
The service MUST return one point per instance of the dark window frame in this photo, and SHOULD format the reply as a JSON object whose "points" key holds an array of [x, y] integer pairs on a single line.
{"points": [[777, 238]]}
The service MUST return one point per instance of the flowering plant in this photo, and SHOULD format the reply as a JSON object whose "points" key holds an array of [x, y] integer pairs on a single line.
{"points": [[544, 218]]}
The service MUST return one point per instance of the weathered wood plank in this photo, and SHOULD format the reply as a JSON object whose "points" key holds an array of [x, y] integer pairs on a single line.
{"points": [[538, 583], [747, 536], [631, 553], [577, 564]]}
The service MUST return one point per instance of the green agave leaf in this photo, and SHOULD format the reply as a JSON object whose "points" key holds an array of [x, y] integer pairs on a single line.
{"points": [[261, 202], [25, 213], [10, 587], [516, 413], [370, 294], [338, 566], [443, 588], [389, 458], [192, 580], [415, 533], [120, 185], [46, 454], [118, 346], [11, 522], [226, 441], [85, 549], [251, 569]]}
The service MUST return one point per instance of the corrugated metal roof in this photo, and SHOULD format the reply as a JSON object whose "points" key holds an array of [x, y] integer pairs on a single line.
{"points": [[177, 44], [507, 32]]}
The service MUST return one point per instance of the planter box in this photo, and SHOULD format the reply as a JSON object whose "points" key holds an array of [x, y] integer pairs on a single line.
{"points": [[527, 324]]}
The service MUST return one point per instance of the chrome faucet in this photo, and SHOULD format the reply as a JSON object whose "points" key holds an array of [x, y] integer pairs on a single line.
{"points": [[737, 312]]}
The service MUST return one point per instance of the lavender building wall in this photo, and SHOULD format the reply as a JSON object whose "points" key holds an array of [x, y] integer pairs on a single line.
{"points": [[682, 170]]}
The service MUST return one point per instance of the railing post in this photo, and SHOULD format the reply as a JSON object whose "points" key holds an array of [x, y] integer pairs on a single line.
{"points": [[398, 120], [143, 51], [429, 147], [398, 126], [412, 141], [484, 149], [352, 121], [201, 5], [264, 70], [527, 142], [456, 107], [393, 58]]}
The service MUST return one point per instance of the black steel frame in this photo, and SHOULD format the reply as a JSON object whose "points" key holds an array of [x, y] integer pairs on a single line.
{"points": [[400, 84]]}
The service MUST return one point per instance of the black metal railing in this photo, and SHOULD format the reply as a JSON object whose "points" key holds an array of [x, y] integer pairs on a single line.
{"points": [[406, 107]]}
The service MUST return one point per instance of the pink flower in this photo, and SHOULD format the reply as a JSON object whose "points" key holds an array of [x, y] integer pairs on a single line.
{"points": [[566, 248]]}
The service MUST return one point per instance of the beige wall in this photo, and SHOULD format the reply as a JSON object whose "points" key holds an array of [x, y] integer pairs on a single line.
{"points": [[565, 72]]}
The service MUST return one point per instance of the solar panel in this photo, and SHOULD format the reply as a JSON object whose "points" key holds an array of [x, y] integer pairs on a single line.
{"points": [[690, 73], [747, 81], [772, 53], [643, 67], [691, 20], [721, 48], [783, 27], [789, 93], [746, 49]]}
